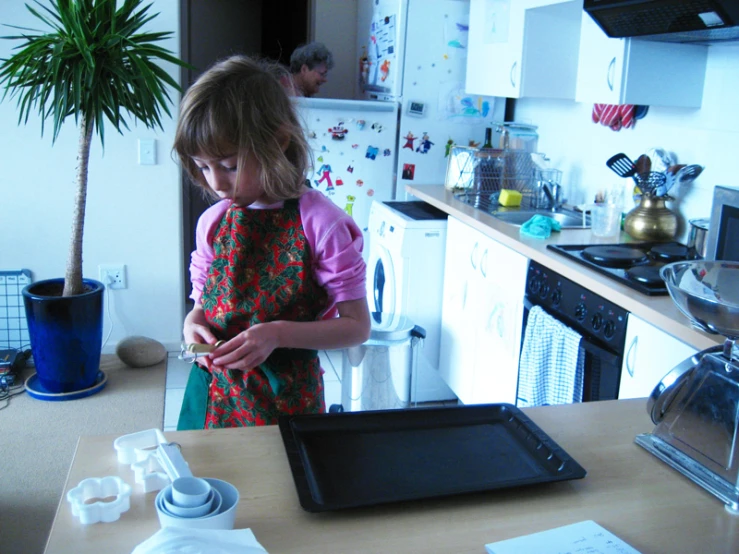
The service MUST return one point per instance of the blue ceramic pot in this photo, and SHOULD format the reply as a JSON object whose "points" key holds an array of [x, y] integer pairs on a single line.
{"points": [[66, 334]]}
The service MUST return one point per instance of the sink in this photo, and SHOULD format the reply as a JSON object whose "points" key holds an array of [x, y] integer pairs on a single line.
{"points": [[568, 219]]}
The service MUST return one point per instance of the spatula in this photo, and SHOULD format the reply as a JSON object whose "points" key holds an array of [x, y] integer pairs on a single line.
{"points": [[621, 165]]}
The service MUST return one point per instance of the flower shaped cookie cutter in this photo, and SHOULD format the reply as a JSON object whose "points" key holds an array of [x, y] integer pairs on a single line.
{"points": [[100, 489]]}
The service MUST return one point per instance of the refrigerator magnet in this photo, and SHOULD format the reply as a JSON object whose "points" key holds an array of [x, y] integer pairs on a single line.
{"points": [[372, 152], [416, 108], [408, 171]]}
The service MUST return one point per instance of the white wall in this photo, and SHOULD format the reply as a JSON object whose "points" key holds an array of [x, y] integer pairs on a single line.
{"points": [[334, 23], [133, 211], [708, 136]]}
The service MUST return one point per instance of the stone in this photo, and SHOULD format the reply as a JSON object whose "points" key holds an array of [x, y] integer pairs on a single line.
{"points": [[137, 351]]}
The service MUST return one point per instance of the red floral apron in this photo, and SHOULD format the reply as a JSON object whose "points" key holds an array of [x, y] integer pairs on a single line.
{"points": [[262, 272]]}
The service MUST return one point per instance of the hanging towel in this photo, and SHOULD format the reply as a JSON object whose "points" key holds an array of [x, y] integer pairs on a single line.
{"points": [[552, 362], [615, 116]]}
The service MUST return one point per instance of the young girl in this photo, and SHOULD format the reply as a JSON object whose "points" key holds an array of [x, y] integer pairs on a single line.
{"points": [[277, 273]]}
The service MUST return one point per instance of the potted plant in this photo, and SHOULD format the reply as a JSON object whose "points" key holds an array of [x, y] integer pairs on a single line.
{"points": [[93, 63]]}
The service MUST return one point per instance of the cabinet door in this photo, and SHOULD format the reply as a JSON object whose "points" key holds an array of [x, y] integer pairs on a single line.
{"points": [[650, 355], [500, 322], [456, 353], [495, 48], [600, 65]]}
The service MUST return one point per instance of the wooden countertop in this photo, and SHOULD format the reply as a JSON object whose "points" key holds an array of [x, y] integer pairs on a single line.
{"points": [[660, 311], [627, 490]]}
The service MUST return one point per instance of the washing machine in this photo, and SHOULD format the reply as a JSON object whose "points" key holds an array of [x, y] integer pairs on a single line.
{"points": [[405, 273]]}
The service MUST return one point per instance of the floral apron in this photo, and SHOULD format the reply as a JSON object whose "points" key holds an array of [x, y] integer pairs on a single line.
{"points": [[261, 272]]}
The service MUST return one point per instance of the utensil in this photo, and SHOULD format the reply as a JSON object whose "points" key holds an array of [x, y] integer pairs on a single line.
{"points": [[643, 164], [621, 165], [697, 239], [688, 173], [650, 181], [661, 159]]}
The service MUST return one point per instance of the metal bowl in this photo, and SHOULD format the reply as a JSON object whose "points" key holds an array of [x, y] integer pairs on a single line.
{"points": [[707, 292]]}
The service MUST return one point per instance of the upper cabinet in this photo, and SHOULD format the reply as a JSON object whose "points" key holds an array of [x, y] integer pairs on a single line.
{"points": [[632, 71], [523, 48]]}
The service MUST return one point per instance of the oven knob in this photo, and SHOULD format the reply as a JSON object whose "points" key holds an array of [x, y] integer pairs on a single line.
{"points": [[580, 311], [535, 286], [557, 297], [609, 330], [597, 322], [544, 292]]}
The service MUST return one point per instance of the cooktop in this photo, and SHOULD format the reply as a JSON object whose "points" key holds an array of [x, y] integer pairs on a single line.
{"points": [[634, 264]]}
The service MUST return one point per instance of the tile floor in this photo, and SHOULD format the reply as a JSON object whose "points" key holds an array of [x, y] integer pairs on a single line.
{"points": [[177, 372]]}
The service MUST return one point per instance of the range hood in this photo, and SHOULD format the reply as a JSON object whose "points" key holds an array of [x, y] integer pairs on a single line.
{"points": [[694, 21]]}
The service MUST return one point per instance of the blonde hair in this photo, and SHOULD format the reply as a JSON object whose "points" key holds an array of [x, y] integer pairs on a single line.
{"points": [[240, 106]]}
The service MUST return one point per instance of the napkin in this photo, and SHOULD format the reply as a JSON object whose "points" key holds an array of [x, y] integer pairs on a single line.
{"points": [[175, 540], [540, 227]]}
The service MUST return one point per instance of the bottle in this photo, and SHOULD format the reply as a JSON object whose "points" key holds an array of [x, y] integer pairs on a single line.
{"points": [[488, 138]]}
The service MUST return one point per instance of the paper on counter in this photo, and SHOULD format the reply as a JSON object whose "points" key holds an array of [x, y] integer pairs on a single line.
{"points": [[585, 536], [175, 540]]}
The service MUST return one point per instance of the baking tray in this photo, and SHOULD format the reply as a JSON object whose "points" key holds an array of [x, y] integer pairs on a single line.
{"points": [[351, 459]]}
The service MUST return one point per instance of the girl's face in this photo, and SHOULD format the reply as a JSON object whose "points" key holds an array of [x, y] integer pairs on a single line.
{"points": [[223, 178]]}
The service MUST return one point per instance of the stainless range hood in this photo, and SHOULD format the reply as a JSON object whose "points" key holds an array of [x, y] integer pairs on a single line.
{"points": [[696, 21]]}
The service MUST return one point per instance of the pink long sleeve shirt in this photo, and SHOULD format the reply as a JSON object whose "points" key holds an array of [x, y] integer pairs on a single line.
{"points": [[334, 239]]}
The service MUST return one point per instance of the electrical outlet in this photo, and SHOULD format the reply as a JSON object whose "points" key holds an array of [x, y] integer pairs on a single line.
{"points": [[113, 276]]}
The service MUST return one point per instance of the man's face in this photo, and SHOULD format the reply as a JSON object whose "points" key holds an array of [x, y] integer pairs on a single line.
{"points": [[312, 79]]}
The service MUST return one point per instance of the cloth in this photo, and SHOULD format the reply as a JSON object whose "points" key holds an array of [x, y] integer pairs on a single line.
{"points": [[615, 116], [172, 540], [551, 368], [261, 271], [195, 400], [334, 240], [540, 227]]}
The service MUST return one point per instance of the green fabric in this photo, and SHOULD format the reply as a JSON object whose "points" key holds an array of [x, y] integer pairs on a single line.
{"points": [[540, 227], [195, 402]]}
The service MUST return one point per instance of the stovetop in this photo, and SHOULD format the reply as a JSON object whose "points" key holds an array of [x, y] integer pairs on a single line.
{"points": [[635, 265]]}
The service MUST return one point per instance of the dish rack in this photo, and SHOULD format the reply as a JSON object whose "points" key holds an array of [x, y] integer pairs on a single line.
{"points": [[478, 175]]}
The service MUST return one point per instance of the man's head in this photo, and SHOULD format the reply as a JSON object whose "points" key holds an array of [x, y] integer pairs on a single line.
{"points": [[309, 66]]}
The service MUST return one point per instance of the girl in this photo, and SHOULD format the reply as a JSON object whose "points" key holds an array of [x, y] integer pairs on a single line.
{"points": [[277, 273]]}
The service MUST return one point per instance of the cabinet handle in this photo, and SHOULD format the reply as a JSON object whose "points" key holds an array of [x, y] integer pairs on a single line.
{"points": [[484, 264], [610, 75], [472, 255], [632, 347], [513, 69]]}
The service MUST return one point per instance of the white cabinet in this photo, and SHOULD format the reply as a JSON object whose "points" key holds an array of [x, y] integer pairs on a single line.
{"points": [[633, 71], [650, 355], [482, 314], [523, 48]]}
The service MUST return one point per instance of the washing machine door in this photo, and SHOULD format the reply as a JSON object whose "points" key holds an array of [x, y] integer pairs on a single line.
{"points": [[381, 285]]}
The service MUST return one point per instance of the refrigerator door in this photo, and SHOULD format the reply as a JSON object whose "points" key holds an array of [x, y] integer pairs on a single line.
{"points": [[354, 149], [435, 110], [380, 43]]}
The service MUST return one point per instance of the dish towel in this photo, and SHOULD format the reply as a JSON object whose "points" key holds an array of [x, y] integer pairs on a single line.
{"points": [[552, 362], [615, 116], [540, 227]]}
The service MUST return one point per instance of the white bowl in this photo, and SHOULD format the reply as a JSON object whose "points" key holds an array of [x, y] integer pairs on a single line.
{"points": [[188, 511], [224, 518], [189, 492]]}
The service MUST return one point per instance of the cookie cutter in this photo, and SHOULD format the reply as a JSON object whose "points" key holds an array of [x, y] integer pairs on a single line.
{"points": [[100, 510], [138, 450], [191, 352]]}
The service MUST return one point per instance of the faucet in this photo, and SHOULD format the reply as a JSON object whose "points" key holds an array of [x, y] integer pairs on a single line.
{"points": [[553, 191]]}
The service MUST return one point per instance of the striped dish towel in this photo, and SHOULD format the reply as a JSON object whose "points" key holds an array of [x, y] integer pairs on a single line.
{"points": [[552, 362], [615, 116]]}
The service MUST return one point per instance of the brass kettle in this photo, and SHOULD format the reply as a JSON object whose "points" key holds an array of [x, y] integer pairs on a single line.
{"points": [[651, 220]]}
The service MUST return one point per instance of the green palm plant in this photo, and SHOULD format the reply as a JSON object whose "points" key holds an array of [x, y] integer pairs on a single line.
{"points": [[94, 63]]}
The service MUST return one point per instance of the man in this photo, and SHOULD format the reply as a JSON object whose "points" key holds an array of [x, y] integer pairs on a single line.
{"points": [[309, 66]]}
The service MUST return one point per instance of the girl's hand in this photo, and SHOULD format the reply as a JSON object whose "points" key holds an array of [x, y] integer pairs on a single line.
{"points": [[196, 330], [248, 349]]}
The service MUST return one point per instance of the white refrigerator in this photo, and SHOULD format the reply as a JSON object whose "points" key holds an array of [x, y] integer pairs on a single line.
{"points": [[414, 53], [353, 143]]}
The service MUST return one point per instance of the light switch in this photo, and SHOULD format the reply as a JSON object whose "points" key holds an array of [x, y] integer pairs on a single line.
{"points": [[147, 152]]}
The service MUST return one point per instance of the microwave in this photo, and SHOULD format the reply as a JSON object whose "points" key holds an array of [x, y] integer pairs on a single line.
{"points": [[723, 231]]}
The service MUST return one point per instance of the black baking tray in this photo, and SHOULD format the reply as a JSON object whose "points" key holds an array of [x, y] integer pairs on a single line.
{"points": [[352, 459]]}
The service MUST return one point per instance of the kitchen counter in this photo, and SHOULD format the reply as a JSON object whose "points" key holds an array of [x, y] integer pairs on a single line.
{"points": [[627, 490], [660, 311]]}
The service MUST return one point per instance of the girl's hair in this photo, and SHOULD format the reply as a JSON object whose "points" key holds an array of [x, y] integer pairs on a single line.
{"points": [[240, 106]]}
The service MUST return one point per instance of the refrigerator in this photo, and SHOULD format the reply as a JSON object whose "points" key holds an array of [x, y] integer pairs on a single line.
{"points": [[413, 53]]}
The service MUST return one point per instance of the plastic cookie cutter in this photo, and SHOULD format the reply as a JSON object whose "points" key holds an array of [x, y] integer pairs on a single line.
{"points": [[137, 450], [191, 352], [102, 509]]}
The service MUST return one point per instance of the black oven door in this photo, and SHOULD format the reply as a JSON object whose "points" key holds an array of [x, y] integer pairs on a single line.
{"points": [[602, 367]]}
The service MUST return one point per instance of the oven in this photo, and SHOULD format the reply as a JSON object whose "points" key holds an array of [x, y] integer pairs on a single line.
{"points": [[600, 323]]}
